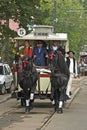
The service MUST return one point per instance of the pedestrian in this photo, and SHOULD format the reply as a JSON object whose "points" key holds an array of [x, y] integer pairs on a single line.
{"points": [[59, 79], [27, 49], [40, 54], [72, 65]]}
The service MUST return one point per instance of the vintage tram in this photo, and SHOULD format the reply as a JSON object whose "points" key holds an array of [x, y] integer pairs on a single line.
{"points": [[46, 34]]}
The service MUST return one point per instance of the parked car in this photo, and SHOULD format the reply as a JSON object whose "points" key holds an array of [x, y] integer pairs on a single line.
{"points": [[6, 78]]}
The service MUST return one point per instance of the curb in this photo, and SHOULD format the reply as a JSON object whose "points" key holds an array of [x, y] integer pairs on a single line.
{"points": [[5, 99], [68, 102]]}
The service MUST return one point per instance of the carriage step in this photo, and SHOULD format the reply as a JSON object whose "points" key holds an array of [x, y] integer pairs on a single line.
{"points": [[43, 97]]}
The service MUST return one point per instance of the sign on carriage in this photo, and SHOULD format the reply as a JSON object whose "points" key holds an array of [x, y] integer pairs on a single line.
{"points": [[21, 32]]}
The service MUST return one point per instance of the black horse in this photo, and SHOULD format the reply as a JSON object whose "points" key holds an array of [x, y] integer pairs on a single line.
{"points": [[59, 79], [28, 82]]}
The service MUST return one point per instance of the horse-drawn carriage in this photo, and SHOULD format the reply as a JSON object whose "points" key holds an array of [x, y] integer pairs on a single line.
{"points": [[45, 33]]}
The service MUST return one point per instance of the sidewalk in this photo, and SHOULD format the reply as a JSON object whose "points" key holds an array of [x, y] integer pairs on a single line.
{"points": [[41, 119], [76, 86]]}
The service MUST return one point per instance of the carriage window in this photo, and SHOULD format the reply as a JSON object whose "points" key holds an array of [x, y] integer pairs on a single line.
{"points": [[1, 70]]}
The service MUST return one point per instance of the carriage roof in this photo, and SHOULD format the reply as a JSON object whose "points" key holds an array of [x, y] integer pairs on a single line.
{"points": [[57, 36], [43, 32]]}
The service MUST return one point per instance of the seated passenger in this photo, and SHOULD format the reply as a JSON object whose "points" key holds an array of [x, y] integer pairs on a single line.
{"points": [[27, 49], [56, 47], [40, 54]]}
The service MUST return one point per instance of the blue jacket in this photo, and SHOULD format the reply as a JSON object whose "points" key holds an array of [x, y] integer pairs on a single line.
{"points": [[40, 56]]}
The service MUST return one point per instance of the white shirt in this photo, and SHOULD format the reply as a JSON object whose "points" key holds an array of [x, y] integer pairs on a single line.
{"points": [[71, 66], [55, 48]]}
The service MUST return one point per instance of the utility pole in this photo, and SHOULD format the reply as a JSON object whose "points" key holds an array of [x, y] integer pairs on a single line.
{"points": [[54, 15]]}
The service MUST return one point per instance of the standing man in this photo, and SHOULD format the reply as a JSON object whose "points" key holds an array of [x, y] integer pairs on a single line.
{"points": [[72, 65]]}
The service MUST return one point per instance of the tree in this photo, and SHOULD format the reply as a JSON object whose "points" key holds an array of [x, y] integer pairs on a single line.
{"points": [[71, 19], [21, 12]]}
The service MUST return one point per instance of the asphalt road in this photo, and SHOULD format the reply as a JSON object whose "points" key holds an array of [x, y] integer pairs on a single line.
{"points": [[13, 117], [42, 117], [5, 97]]}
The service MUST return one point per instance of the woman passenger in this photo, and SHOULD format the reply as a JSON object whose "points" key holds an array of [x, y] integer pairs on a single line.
{"points": [[27, 49]]}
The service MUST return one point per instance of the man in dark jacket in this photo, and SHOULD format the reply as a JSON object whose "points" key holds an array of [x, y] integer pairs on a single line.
{"points": [[40, 54]]}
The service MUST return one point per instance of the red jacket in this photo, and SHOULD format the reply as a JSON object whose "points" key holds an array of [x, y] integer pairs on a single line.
{"points": [[28, 51]]}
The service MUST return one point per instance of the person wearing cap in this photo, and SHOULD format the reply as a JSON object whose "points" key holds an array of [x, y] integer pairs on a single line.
{"points": [[40, 54], [72, 65]]}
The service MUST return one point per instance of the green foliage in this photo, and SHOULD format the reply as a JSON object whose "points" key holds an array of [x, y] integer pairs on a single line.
{"points": [[19, 11], [71, 16], [72, 19]]}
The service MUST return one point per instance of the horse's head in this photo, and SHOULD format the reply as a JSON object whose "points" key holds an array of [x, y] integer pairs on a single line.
{"points": [[53, 57], [54, 54], [54, 60]]}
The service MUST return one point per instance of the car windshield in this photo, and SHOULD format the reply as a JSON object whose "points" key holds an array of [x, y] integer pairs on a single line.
{"points": [[1, 70]]}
